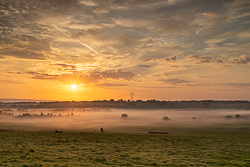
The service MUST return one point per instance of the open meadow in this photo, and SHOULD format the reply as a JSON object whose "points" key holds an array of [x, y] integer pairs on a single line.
{"points": [[126, 142], [123, 149]]}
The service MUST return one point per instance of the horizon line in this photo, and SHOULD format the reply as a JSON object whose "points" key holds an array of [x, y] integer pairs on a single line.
{"points": [[39, 100]]}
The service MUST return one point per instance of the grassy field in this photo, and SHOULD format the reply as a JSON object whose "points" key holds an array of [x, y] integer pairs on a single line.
{"points": [[196, 147]]}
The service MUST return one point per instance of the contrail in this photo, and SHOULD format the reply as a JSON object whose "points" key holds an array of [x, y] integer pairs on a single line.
{"points": [[87, 46], [68, 35]]}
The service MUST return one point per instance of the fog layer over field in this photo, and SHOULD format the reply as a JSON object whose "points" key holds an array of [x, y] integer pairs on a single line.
{"points": [[110, 119]]}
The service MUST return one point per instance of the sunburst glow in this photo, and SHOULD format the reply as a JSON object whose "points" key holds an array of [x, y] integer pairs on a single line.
{"points": [[74, 86]]}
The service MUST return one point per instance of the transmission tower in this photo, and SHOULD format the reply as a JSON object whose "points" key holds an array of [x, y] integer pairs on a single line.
{"points": [[131, 95]]}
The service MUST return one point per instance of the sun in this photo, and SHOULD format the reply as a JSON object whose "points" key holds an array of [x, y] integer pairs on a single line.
{"points": [[74, 86]]}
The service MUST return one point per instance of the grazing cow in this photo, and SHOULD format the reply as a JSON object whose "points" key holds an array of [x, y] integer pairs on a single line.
{"points": [[124, 115], [165, 118], [237, 116], [229, 117]]}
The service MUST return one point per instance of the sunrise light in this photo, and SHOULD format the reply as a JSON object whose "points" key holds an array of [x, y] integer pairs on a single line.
{"points": [[74, 86], [185, 50]]}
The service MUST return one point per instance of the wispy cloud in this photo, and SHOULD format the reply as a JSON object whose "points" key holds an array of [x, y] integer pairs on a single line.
{"points": [[11, 82], [173, 81]]}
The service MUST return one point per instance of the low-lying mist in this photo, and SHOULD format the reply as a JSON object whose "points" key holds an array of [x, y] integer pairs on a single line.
{"points": [[138, 121]]}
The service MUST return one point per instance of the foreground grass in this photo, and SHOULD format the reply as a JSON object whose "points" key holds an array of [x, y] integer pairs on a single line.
{"points": [[123, 149]]}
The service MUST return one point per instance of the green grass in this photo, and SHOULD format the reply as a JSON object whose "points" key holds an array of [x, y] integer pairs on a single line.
{"points": [[124, 149]]}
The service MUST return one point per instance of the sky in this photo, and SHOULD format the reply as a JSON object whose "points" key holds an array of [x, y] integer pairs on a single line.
{"points": [[157, 49]]}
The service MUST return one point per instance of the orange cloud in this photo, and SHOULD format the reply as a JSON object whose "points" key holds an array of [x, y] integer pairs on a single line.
{"points": [[210, 14], [243, 59], [93, 77]]}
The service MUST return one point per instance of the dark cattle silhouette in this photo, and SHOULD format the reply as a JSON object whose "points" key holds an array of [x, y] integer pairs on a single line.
{"points": [[124, 115], [165, 118], [237, 116], [229, 117]]}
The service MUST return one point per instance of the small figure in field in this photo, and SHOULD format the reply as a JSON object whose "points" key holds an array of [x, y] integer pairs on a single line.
{"points": [[58, 131], [124, 115], [165, 118], [229, 117], [237, 116]]}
